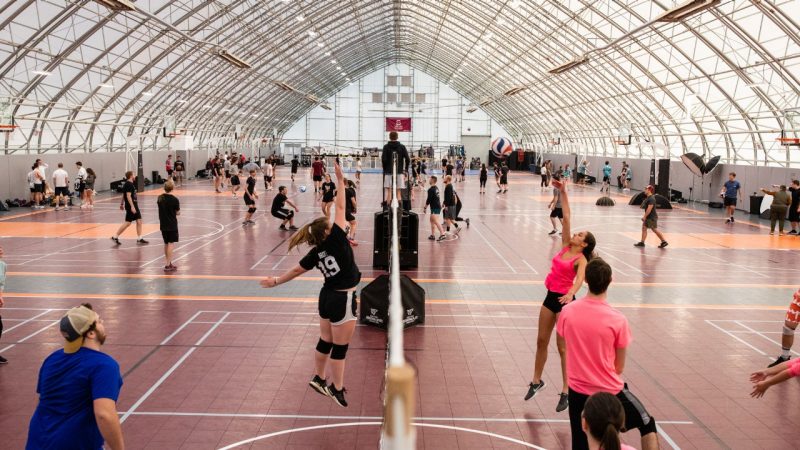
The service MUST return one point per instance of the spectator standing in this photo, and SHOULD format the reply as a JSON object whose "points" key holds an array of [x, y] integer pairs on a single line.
{"points": [[80, 183], [78, 389], [61, 184], [168, 166], [391, 149], [180, 170], [169, 208], [777, 211], [794, 208], [91, 177]]}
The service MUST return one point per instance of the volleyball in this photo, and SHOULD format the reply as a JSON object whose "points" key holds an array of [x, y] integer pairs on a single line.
{"points": [[302, 188], [502, 147]]}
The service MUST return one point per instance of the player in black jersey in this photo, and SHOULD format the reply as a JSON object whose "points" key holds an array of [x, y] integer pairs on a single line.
{"points": [[328, 192], [295, 165], [250, 196], [350, 211], [333, 256], [484, 177], [285, 214]]}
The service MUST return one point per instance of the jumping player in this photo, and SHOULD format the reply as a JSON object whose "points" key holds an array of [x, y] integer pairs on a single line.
{"points": [[484, 177], [278, 210], [250, 196], [650, 218], [563, 282], [436, 208], [328, 192], [332, 254]]}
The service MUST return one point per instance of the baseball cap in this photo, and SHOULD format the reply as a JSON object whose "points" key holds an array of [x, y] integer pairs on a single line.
{"points": [[77, 321]]}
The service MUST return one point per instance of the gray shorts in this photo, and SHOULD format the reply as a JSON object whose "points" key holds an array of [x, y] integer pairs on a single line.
{"points": [[449, 213]]}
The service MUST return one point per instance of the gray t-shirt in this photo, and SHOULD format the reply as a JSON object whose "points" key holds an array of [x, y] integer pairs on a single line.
{"points": [[557, 197], [651, 200]]}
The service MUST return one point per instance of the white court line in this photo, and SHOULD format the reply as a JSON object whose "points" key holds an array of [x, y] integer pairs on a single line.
{"points": [[494, 249], [184, 255], [369, 418], [278, 263], [32, 319], [173, 368], [763, 336], [607, 252], [29, 336], [35, 309], [735, 337], [530, 267], [56, 252], [313, 324], [259, 261], [708, 254], [362, 424], [477, 315], [667, 438], [748, 321]]}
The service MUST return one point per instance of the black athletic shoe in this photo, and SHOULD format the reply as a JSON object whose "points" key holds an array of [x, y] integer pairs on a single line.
{"points": [[441, 237], [780, 360], [728, 221], [3, 360], [467, 220], [563, 402], [116, 240], [533, 389], [142, 241], [337, 396], [733, 220], [500, 191], [319, 385], [292, 227], [552, 232], [282, 227], [639, 244], [663, 244], [432, 237], [793, 232]]}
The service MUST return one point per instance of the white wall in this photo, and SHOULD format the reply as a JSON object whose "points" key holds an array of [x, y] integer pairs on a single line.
{"points": [[108, 167], [752, 178], [476, 146]]}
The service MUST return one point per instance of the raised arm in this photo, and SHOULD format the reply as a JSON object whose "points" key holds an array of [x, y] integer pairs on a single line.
{"points": [[340, 198]]}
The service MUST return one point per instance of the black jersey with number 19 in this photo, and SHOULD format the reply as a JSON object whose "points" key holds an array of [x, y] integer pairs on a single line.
{"points": [[334, 258]]}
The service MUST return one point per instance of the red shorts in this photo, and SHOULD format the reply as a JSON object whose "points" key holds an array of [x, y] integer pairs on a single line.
{"points": [[793, 313]]}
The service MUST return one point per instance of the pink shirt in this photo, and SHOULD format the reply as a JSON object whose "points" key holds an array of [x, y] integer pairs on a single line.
{"points": [[562, 273], [593, 331], [626, 447], [794, 368]]}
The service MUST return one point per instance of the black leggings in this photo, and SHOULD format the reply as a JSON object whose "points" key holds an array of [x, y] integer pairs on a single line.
{"points": [[1, 326], [483, 182], [544, 181]]}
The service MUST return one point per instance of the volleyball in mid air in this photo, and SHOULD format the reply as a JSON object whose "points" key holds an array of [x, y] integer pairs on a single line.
{"points": [[502, 147]]}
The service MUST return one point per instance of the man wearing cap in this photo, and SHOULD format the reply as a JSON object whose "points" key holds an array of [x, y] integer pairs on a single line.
{"points": [[78, 389], [650, 218]]}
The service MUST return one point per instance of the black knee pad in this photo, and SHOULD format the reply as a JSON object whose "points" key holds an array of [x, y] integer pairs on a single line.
{"points": [[339, 351], [324, 347], [251, 210], [649, 428]]}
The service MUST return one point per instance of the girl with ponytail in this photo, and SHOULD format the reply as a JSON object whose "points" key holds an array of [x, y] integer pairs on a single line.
{"points": [[602, 421], [332, 255], [563, 282]]}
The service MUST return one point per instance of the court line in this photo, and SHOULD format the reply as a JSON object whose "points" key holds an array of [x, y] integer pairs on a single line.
{"points": [[278, 263], [27, 320], [29, 336], [735, 337], [526, 303], [56, 252], [667, 438], [530, 267], [259, 261], [357, 424], [764, 336], [494, 249], [418, 280], [193, 241], [172, 369], [314, 324]]}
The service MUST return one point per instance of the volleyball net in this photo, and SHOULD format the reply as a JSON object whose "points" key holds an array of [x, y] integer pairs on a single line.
{"points": [[399, 400]]}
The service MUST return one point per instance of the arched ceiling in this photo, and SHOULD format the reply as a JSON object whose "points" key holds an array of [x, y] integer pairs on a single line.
{"points": [[721, 81]]}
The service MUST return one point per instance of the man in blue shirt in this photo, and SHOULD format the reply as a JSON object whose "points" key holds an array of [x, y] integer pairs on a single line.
{"points": [[78, 390], [729, 193], [606, 177]]}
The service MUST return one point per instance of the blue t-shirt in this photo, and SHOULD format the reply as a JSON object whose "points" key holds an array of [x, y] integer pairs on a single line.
{"points": [[68, 385], [731, 188], [630, 174], [606, 171]]}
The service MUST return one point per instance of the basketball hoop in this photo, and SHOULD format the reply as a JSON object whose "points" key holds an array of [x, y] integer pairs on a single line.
{"points": [[7, 128]]}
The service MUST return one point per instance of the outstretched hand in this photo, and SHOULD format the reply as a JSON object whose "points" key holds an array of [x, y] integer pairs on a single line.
{"points": [[759, 389], [338, 170], [760, 375], [560, 185]]}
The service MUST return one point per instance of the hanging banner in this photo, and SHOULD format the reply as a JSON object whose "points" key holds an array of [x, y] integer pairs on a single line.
{"points": [[398, 124]]}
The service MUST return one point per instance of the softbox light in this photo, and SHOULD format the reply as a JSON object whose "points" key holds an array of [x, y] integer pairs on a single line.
{"points": [[694, 162]]}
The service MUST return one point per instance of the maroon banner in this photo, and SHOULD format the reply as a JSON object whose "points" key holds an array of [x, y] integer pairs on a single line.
{"points": [[398, 124]]}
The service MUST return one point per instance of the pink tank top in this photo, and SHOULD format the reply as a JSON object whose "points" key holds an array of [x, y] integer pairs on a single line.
{"points": [[562, 273]]}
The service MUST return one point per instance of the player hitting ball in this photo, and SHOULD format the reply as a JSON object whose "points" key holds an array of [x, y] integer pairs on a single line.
{"points": [[332, 255]]}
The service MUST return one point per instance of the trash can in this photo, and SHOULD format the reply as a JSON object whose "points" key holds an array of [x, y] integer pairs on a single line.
{"points": [[155, 177], [755, 204]]}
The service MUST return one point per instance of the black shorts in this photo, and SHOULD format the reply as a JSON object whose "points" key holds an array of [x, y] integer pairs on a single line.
{"points": [[606, 179], [339, 307], [169, 172], [131, 217], [348, 216], [248, 200], [268, 178], [294, 169], [729, 201], [227, 174], [551, 301], [636, 416], [235, 180], [503, 179], [62, 191], [557, 212], [327, 198], [794, 216], [170, 236], [32, 190], [450, 212], [317, 177], [283, 213]]}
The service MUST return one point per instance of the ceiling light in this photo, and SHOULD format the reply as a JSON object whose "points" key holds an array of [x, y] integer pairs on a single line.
{"points": [[233, 59], [686, 9], [182, 101], [320, 44], [333, 61], [472, 109], [312, 33], [255, 115], [117, 5], [300, 18], [147, 94], [284, 86], [206, 106], [327, 53], [104, 85], [42, 73], [338, 67], [312, 98], [569, 65], [347, 78], [514, 91], [344, 74], [486, 103], [226, 110]]}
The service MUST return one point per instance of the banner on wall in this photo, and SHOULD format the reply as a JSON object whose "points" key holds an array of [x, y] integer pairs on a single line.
{"points": [[398, 124]]}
